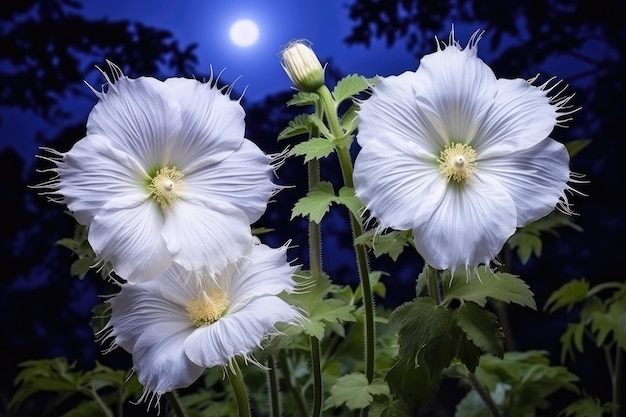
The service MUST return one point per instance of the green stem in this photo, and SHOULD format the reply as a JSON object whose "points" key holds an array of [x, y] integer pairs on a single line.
{"points": [[273, 384], [317, 376], [236, 379], [345, 162], [291, 383], [172, 398], [91, 392], [432, 283], [615, 373], [484, 394]]}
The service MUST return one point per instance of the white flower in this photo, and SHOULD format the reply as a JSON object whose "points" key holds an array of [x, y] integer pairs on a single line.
{"points": [[165, 175], [176, 329], [459, 156]]}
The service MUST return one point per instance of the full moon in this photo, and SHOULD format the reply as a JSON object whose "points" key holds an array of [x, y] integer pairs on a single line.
{"points": [[244, 32]]}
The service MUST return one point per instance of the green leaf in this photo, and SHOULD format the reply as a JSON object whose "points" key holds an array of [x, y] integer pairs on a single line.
{"points": [[351, 201], [349, 120], [315, 148], [327, 311], [573, 292], [414, 386], [350, 86], [484, 284], [316, 203], [572, 337], [391, 244], [354, 391], [613, 321], [428, 334], [587, 407], [481, 327], [303, 98], [527, 244], [300, 125]]}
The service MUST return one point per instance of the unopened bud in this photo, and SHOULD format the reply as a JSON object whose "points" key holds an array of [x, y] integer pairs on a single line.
{"points": [[302, 66]]}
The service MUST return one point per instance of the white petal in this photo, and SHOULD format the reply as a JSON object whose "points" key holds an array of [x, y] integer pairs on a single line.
{"points": [[454, 89], [244, 179], [206, 235], [392, 113], [141, 116], [238, 333], [154, 330], [397, 182], [469, 226], [127, 232], [264, 271], [536, 178], [212, 123], [520, 117], [93, 172]]}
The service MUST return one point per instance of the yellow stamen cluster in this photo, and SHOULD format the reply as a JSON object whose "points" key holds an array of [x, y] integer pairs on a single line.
{"points": [[166, 186], [205, 309], [457, 162]]}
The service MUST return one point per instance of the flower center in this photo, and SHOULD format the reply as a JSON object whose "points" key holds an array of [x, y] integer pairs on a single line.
{"points": [[205, 309], [166, 186], [457, 162]]}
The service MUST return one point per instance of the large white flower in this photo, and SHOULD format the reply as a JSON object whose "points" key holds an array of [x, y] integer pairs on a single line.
{"points": [[175, 328], [165, 175], [459, 156]]}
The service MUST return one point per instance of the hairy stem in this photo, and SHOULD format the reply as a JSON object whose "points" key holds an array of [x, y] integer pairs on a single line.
{"points": [[172, 398], [484, 394], [241, 395], [273, 386]]}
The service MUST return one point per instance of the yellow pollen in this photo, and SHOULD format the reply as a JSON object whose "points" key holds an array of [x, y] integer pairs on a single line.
{"points": [[203, 310], [166, 186], [457, 162]]}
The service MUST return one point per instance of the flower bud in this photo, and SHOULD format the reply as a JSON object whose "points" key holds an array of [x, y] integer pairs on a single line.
{"points": [[302, 66]]}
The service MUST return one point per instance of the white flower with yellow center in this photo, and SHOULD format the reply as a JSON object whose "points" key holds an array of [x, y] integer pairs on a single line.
{"points": [[459, 156], [175, 329], [165, 176]]}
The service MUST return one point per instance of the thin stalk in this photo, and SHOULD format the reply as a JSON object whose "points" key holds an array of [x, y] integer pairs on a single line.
{"points": [[432, 283], [345, 162], [291, 384], [317, 376], [315, 266], [273, 385], [615, 373], [484, 395], [172, 398], [241, 395], [91, 392]]}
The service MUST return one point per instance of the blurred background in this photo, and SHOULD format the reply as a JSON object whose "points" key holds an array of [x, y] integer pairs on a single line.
{"points": [[49, 48]]}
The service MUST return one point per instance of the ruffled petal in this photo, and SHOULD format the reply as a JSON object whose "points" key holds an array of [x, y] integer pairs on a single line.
{"points": [[153, 330], [536, 178], [238, 333], [141, 117], [127, 233], [520, 117], [264, 271], [244, 179], [391, 113], [397, 183], [454, 89], [213, 125], [206, 235], [93, 172], [469, 226]]}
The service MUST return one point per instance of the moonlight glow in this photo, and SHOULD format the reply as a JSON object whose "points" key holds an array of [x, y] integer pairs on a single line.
{"points": [[244, 32]]}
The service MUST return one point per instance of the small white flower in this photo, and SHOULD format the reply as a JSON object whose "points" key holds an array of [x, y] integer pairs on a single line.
{"points": [[165, 175], [176, 329], [459, 156]]}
